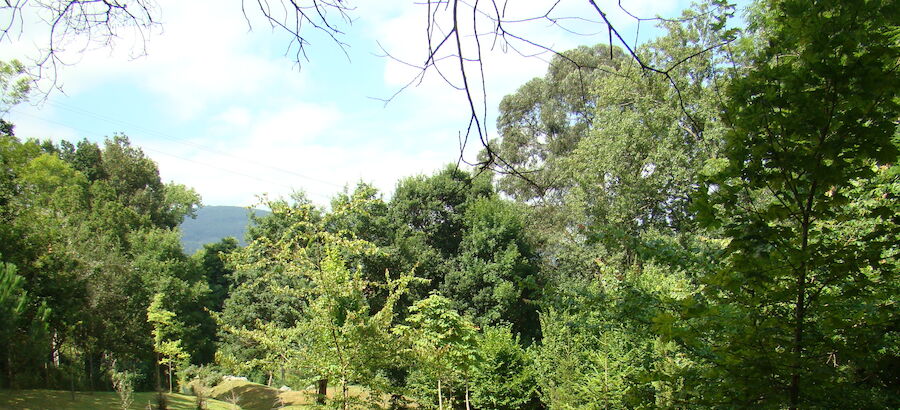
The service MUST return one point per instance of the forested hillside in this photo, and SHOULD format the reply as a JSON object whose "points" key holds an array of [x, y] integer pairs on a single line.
{"points": [[723, 234], [213, 223]]}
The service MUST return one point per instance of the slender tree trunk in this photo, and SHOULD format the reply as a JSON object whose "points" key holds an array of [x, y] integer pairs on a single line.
{"points": [[800, 307], [323, 391], [9, 368], [440, 396], [467, 394], [158, 374], [91, 371], [800, 317], [344, 392], [170, 377]]}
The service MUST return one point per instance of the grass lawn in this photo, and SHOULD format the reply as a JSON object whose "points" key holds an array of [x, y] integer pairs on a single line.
{"points": [[56, 399], [249, 396], [252, 396]]}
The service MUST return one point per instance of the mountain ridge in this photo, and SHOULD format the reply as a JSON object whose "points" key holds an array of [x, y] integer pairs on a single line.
{"points": [[212, 223]]}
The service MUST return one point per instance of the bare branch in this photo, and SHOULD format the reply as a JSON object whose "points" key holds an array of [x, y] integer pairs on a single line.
{"points": [[75, 26]]}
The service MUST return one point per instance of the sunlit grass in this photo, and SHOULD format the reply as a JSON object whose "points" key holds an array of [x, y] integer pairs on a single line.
{"points": [[56, 399]]}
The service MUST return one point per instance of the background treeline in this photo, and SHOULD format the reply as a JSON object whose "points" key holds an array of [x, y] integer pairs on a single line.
{"points": [[724, 234]]}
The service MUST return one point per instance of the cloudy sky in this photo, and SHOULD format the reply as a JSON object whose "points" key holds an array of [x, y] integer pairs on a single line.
{"points": [[222, 107]]}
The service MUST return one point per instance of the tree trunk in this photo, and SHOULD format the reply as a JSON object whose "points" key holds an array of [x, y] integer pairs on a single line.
{"points": [[800, 307], [158, 374], [170, 378], [440, 396], [467, 395], [91, 371], [344, 392], [323, 391], [9, 368]]}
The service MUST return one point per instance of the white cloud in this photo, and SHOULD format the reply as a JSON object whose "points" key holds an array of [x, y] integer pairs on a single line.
{"points": [[203, 56], [248, 123]]}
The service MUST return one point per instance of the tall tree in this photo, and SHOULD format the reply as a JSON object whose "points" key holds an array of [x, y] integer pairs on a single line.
{"points": [[544, 120], [811, 120]]}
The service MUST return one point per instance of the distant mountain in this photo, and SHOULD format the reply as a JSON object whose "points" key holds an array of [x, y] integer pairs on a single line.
{"points": [[214, 223]]}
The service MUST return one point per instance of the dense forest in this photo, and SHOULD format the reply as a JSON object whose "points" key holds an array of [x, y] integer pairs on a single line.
{"points": [[724, 234]]}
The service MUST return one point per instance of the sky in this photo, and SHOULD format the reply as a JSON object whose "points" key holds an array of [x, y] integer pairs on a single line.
{"points": [[222, 107]]}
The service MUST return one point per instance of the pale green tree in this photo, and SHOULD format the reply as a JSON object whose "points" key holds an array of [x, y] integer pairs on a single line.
{"points": [[443, 344], [167, 333]]}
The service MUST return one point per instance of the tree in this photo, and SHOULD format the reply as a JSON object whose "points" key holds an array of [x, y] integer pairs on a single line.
{"points": [[442, 342], [811, 121], [635, 170], [14, 86], [544, 120], [167, 332], [212, 262], [429, 225], [91, 254], [495, 278], [16, 329], [257, 297], [504, 375], [337, 329]]}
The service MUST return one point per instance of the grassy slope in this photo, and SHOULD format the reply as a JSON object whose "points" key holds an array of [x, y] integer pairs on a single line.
{"points": [[252, 396], [249, 396], [55, 399]]}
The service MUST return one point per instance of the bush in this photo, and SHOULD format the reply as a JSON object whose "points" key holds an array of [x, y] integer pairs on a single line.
{"points": [[123, 382], [504, 376], [207, 376]]}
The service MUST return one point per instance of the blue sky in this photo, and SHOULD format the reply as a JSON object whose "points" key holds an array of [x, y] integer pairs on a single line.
{"points": [[223, 110]]}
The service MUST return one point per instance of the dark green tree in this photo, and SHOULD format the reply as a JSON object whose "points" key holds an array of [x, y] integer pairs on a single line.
{"points": [[801, 292], [212, 260], [495, 279]]}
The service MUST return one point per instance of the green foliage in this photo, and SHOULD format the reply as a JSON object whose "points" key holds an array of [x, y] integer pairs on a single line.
{"points": [[88, 251], [14, 84], [601, 343], [431, 208], [809, 128], [504, 376], [123, 383], [211, 260], [495, 277], [18, 329], [334, 331], [167, 334], [720, 235], [545, 119], [443, 344]]}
